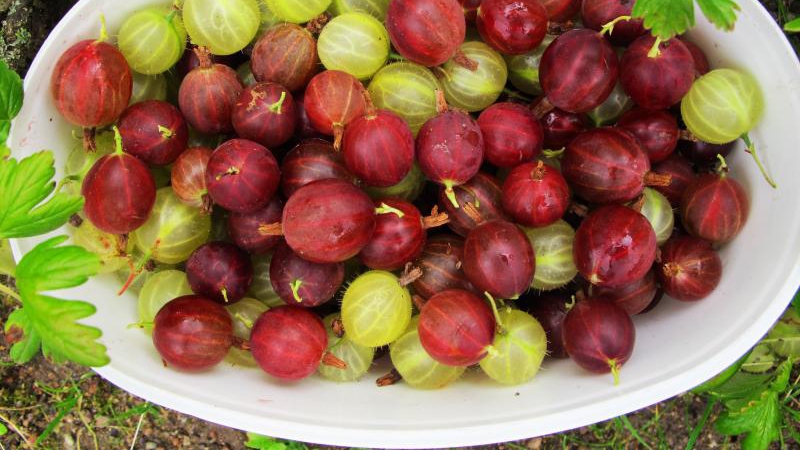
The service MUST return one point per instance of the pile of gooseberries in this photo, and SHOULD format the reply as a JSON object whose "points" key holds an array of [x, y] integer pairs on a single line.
{"points": [[311, 186]]}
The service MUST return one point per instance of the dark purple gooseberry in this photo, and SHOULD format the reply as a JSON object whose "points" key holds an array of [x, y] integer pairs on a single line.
{"points": [[681, 175], [456, 327], [561, 10], [208, 94], [441, 266], [479, 200], [265, 113], [304, 129], [192, 333], [119, 193], [248, 230], [328, 221], [657, 81], [450, 149], [332, 100], [535, 194], [614, 246], [511, 134], [498, 259], [398, 238], [378, 147], [689, 269], [607, 165], [599, 336], [427, 32], [309, 161], [242, 176], [578, 71], [285, 54], [596, 13], [633, 297], [561, 127], [154, 131], [512, 27], [550, 310], [289, 342], [657, 131], [714, 207], [220, 271], [303, 283], [190, 61], [704, 154], [701, 65]]}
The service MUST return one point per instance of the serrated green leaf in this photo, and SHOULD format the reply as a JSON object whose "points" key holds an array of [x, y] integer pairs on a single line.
{"points": [[53, 321], [742, 385], [28, 346], [10, 92], [260, 442], [722, 377], [759, 417], [782, 375], [793, 26], [24, 186], [722, 13], [665, 18]]}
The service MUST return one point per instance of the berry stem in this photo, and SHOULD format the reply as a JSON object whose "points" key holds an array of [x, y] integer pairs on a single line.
{"points": [[271, 229], [389, 379], [171, 15], [410, 275], [571, 303], [538, 172], [609, 27], [396, 56], [495, 312], [137, 270], [316, 25], [722, 168], [554, 154], [419, 302], [612, 363], [465, 61], [244, 320], [207, 204], [338, 134], [472, 212], [655, 51], [370, 112], [165, 132], [89, 143], [686, 135], [441, 102], [751, 148], [451, 194], [224, 292], [559, 28], [543, 107], [204, 56], [276, 107], [241, 344], [657, 179], [142, 325], [337, 326], [386, 209], [103, 29], [295, 287], [117, 141], [329, 359], [436, 219]]}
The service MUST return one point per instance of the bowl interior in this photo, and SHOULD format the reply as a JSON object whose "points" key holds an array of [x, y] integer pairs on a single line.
{"points": [[678, 346]]}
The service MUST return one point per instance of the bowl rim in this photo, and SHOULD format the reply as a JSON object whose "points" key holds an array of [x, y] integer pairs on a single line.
{"points": [[468, 435]]}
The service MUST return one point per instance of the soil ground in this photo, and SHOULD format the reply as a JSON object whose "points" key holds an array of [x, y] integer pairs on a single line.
{"points": [[69, 407]]}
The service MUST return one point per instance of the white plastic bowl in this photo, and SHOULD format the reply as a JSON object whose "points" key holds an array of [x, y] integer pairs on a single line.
{"points": [[678, 346]]}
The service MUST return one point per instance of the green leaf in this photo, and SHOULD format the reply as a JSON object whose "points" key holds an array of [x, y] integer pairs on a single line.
{"points": [[7, 264], [29, 343], [10, 92], [742, 385], [24, 186], [722, 377], [793, 26], [3, 429], [665, 18], [759, 417], [260, 442], [721, 13], [49, 322]]}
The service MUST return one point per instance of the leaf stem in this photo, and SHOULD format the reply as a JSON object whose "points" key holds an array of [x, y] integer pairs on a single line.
{"points": [[609, 27], [10, 292], [751, 148], [655, 51]]}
